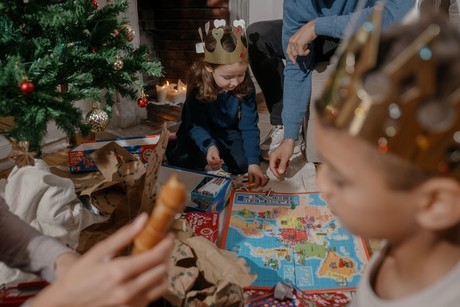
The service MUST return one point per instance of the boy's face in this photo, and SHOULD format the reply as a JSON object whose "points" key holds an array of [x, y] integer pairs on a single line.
{"points": [[228, 76], [353, 184]]}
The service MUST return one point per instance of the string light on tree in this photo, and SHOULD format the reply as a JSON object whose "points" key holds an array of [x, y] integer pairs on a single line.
{"points": [[118, 64]]}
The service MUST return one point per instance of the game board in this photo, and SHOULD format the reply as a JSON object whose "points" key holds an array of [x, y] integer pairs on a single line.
{"points": [[295, 239]]}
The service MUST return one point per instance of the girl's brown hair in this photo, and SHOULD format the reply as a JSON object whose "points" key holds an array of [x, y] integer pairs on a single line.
{"points": [[201, 82]]}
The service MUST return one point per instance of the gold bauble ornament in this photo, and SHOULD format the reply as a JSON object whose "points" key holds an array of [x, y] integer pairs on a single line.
{"points": [[130, 33], [98, 119]]}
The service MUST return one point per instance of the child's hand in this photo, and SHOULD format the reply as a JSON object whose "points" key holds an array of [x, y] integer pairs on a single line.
{"points": [[280, 157], [256, 177], [213, 158]]}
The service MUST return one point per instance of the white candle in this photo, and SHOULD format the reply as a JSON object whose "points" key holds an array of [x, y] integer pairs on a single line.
{"points": [[182, 89], [162, 92], [181, 86], [175, 96]]}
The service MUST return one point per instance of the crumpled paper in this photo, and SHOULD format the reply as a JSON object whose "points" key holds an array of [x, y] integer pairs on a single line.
{"points": [[202, 274], [122, 189], [48, 203]]}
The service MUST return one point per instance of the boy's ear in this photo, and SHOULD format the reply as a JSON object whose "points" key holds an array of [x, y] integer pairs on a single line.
{"points": [[439, 206]]}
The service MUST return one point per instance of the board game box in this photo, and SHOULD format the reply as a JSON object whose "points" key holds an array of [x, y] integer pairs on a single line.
{"points": [[203, 224], [293, 238], [206, 192], [79, 158]]}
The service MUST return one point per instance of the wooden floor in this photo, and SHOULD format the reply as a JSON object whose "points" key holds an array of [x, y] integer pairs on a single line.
{"points": [[157, 115]]}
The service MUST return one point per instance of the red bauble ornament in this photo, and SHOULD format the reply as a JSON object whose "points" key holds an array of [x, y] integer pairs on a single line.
{"points": [[94, 4], [142, 102], [26, 87]]}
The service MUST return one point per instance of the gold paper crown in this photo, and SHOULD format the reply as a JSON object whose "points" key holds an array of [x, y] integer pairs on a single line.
{"points": [[399, 107], [219, 55]]}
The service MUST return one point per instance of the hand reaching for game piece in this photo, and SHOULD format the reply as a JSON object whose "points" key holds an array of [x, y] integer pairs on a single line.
{"points": [[213, 158]]}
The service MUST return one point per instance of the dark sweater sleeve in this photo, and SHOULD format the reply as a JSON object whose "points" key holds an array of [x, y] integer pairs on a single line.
{"points": [[248, 126], [24, 248], [197, 123]]}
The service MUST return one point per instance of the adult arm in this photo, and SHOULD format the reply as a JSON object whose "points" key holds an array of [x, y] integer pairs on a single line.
{"points": [[338, 25], [24, 248], [297, 73]]}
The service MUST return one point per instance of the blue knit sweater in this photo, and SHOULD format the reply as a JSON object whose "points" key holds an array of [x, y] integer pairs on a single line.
{"points": [[202, 122]]}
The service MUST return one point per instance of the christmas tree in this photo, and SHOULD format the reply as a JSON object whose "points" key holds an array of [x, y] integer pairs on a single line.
{"points": [[56, 52]]}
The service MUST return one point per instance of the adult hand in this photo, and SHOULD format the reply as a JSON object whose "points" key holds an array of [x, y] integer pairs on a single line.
{"points": [[213, 158], [298, 43], [99, 278], [280, 157], [256, 176]]}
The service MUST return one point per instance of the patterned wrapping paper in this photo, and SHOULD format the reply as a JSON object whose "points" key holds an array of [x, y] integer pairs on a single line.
{"points": [[201, 274]]}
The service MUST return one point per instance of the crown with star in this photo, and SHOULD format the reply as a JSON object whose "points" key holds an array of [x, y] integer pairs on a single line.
{"points": [[220, 55], [408, 104]]}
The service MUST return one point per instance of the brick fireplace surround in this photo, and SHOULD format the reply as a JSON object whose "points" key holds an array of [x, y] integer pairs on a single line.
{"points": [[170, 29]]}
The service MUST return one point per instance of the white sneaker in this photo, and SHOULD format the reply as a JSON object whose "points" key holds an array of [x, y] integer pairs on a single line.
{"points": [[274, 139]]}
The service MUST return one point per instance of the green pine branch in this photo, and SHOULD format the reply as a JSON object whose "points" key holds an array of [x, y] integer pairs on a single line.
{"points": [[54, 43]]}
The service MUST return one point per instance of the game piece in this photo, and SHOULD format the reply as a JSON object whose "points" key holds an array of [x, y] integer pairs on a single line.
{"points": [[171, 200]]}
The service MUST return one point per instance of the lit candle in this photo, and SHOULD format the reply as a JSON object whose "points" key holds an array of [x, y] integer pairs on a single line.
{"points": [[175, 96], [162, 92], [181, 86], [182, 89]]}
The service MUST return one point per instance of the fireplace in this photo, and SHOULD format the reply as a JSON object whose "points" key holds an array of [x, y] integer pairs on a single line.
{"points": [[170, 29]]}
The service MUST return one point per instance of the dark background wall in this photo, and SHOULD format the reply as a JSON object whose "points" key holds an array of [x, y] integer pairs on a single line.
{"points": [[170, 28]]}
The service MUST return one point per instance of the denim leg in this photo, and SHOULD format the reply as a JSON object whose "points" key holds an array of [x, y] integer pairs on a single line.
{"points": [[266, 60]]}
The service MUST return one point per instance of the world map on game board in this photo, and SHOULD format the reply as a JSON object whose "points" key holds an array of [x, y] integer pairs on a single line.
{"points": [[295, 239]]}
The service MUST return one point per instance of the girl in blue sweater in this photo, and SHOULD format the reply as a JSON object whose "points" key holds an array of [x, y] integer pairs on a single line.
{"points": [[219, 117]]}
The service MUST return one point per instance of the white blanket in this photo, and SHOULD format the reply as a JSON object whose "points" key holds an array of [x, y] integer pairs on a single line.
{"points": [[48, 203]]}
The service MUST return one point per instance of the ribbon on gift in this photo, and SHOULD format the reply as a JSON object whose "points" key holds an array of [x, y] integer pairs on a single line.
{"points": [[20, 153]]}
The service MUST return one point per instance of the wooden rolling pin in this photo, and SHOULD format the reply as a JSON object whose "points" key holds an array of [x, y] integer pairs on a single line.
{"points": [[171, 200]]}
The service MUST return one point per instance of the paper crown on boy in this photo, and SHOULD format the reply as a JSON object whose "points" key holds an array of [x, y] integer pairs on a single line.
{"points": [[374, 104], [220, 55]]}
